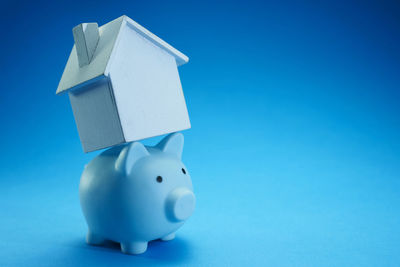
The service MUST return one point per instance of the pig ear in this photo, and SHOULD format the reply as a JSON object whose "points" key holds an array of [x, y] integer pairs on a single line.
{"points": [[172, 143], [129, 155]]}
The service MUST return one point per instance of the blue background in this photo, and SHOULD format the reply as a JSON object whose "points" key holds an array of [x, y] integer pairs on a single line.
{"points": [[294, 149]]}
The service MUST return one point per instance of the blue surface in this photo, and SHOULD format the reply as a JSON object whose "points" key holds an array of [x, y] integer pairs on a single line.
{"points": [[294, 150]]}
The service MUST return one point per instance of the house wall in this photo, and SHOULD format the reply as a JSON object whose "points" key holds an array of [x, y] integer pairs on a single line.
{"points": [[96, 115], [147, 88]]}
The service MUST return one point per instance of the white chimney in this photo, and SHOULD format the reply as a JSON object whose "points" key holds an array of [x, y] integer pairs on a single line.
{"points": [[86, 36]]}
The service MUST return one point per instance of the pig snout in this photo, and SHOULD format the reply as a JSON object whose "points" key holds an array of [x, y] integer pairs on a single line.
{"points": [[180, 204]]}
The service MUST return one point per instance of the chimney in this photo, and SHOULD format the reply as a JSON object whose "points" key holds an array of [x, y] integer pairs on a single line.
{"points": [[86, 36]]}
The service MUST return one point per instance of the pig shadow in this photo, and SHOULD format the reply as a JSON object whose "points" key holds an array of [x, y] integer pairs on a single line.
{"points": [[174, 251]]}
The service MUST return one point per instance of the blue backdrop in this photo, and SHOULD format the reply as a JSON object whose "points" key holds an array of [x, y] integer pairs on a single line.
{"points": [[294, 149]]}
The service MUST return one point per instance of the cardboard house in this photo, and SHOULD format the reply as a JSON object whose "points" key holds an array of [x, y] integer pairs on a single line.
{"points": [[123, 84]]}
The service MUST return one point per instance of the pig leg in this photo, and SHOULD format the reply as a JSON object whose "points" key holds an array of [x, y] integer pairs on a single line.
{"points": [[168, 237], [134, 247], [93, 239]]}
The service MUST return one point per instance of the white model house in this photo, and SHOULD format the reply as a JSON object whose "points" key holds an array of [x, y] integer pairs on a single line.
{"points": [[123, 84]]}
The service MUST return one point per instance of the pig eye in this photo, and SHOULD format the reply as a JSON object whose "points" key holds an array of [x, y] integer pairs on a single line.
{"points": [[184, 171], [159, 179]]}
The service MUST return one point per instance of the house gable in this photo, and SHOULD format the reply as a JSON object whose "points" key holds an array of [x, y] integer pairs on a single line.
{"points": [[147, 88]]}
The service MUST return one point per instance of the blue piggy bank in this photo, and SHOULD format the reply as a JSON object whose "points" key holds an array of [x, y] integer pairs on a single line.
{"points": [[132, 194]]}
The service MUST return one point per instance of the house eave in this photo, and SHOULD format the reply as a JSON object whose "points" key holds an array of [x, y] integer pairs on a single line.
{"points": [[81, 85], [179, 56]]}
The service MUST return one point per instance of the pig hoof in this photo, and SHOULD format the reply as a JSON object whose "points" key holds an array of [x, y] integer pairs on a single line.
{"points": [[134, 247], [93, 239], [168, 237]]}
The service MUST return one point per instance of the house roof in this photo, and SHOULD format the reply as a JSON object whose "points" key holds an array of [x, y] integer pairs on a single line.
{"points": [[75, 76]]}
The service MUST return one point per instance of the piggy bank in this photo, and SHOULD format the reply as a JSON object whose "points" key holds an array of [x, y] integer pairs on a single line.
{"points": [[132, 194]]}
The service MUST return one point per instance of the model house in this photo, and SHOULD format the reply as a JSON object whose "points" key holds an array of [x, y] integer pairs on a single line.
{"points": [[123, 84]]}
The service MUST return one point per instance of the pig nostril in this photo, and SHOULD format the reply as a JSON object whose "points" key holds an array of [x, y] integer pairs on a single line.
{"points": [[184, 171]]}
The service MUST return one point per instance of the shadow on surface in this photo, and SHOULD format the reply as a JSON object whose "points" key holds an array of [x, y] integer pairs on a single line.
{"points": [[176, 251]]}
